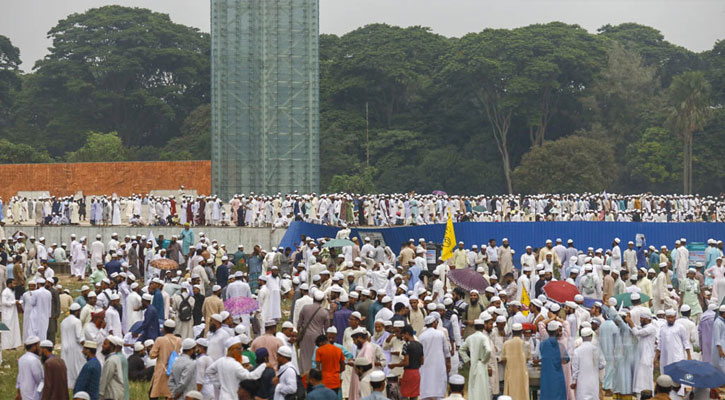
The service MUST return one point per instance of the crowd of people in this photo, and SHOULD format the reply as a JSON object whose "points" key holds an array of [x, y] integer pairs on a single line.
{"points": [[362, 322], [342, 209]]}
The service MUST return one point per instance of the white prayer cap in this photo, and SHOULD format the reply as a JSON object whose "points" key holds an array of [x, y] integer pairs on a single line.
{"points": [[587, 332], [46, 343], [146, 296], [606, 268], [331, 329], [93, 294], [612, 301], [197, 395], [578, 297], [645, 314], [500, 319], [304, 286], [429, 320], [86, 396], [685, 308], [31, 340], [377, 376], [570, 241], [188, 343], [138, 346], [216, 288], [554, 307], [386, 299], [285, 351], [670, 312], [354, 295], [663, 264], [398, 324], [41, 281], [616, 240], [664, 381], [169, 323], [356, 314], [485, 316], [288, 325], [660, 312], [457, 380], [553, 325], [517, 327], [319, 295], [722, 308], [570, 304], [474, 291], [234, 340]]}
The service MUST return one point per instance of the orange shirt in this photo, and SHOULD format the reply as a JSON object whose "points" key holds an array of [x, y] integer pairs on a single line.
{"points": [[330, 357]]}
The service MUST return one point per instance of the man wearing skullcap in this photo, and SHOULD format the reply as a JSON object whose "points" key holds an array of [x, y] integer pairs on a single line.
{"points": [[514, 356], [646, 334], [313, 321], [163, 347], [114, 376], [586, 364], [673, 344], [30, 370], [477, 350], [182, 379], [137, 370], [717, 349], [212, 305], [553, 356], [89, 379], [227, 372], [71, 336]]}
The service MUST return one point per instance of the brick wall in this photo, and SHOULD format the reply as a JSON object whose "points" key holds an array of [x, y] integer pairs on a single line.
{"points": [[122, 178]]}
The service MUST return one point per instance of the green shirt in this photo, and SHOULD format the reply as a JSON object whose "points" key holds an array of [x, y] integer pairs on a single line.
{"points": [[251, 356], [97, 276]]}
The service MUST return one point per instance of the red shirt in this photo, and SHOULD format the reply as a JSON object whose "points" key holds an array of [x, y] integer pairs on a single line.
{"points": [[329, 357]]}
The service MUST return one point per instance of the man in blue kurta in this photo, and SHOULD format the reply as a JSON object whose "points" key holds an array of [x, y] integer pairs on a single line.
{"points": [[608, 338], [149, 328], [187, 239], [158, 301], [553, 385], [89, 379]]}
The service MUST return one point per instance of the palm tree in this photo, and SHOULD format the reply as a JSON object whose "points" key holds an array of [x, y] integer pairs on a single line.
{"points": [[689, 99]]}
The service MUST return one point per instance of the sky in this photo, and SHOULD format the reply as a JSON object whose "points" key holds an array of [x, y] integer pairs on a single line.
{"points": [[694, 24]]}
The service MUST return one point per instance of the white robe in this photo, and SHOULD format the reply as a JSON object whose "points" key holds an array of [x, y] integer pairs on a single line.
{"points": [[71, 335], [113, 322], [644, 361], [672, 343], [11, 339], [585, 366], [273, 310], [478, 350], [96, 253], [433, 376], [226, 373], [42, 303]]}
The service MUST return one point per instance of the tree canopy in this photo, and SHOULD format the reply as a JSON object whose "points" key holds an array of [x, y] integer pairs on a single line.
{"points": [[544, 107]]}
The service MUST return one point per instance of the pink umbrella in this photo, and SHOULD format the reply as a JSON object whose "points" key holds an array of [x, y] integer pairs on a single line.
{"points": [[468, 279], [440, 193], [240, 305]]}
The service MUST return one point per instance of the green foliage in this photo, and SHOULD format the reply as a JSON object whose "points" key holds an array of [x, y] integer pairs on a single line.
{"points": [[99, 147], [9, 79], [195, 140], [19, 153], [362, 181], [714, 61], [569, 165], [654, 160]]}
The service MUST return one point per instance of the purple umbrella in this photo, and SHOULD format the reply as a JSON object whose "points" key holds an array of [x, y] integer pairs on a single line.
{"points": [[468, 279], [440, 193], [240, 305]]}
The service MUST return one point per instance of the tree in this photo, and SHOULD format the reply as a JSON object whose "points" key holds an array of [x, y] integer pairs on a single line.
{"points": [[120, 69], [9, 80], [99, 147], [360, 182], [689, 102], [714, 61], [195, 140], [18, 153], [652, 160], [569, 165]]}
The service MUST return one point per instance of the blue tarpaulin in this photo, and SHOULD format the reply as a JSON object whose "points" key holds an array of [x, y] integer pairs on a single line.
{"points": [[522, 234]]}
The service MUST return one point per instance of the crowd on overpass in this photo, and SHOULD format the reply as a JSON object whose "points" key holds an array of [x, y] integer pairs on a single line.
{"points": [[343, 209], [365, 322]]}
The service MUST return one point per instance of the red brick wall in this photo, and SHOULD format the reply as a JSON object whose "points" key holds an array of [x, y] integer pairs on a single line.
{"points": [[122, 178]]}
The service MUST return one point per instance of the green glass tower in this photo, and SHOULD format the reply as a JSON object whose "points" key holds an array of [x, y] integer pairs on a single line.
{"points": [[265, 96]]}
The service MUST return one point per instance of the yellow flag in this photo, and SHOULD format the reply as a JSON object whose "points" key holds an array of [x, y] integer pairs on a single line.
{"points": [[524, 300], [449, 240]]}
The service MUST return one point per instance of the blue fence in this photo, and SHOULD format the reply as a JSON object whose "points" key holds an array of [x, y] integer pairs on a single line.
{"points": [[521, 234]]}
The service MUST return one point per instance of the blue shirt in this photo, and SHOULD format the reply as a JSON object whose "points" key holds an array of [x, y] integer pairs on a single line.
{"points": [[149, 328], [320, 392], [113, 266], [553, 385], [341, 320], [375, 396], [222, 275], [158, 303], [89, 379]]}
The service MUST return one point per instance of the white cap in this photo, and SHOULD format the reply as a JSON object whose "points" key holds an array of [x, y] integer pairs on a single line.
{"points": [[356, 314], [138, 346], [75, 307], [216, 288], [331, 329], [377, 376], [288, 325], [685, 308], [146, 296], [553, 325], [169, 323], [46, 343], [285, 351], [587, 332], [31, 340], [634, 296], [217, 317], [670, 312], [457, 380], [83, 396], [194, 395], [188, 343]]}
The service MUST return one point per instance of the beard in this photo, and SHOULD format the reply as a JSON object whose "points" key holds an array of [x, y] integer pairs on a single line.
{"points": [[43, 358], [212, 328], [474, 302], [106, 352]]}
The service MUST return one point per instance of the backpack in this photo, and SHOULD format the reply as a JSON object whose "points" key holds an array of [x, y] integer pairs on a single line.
{"points": [[185, 310], [301, 392]]}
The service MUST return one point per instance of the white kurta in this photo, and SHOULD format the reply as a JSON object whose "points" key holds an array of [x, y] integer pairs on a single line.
{"points": [[11, 339], [433, 376], [477, 349], [273, 302], [226, 373], [28, 301], [41, 312], [113, 322], [644, 361], [673, 341], [71, 335], [30, 376], [585, 366]]}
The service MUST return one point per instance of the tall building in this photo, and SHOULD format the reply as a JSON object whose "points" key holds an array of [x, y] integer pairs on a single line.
{"points": [[265, 96]]}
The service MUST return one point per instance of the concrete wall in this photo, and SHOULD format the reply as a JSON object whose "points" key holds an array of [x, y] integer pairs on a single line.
{"points": [[232, 237]]}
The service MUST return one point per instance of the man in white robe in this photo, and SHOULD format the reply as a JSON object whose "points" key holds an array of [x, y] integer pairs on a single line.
{"points": [[11, 339], [30, 372], [643, 379], [71, 336], [97, 249], [273, 309], [42, 303], [28, 301], [226, 372], [674, 342], [437, 356], [585, 367], [477, 349]]}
